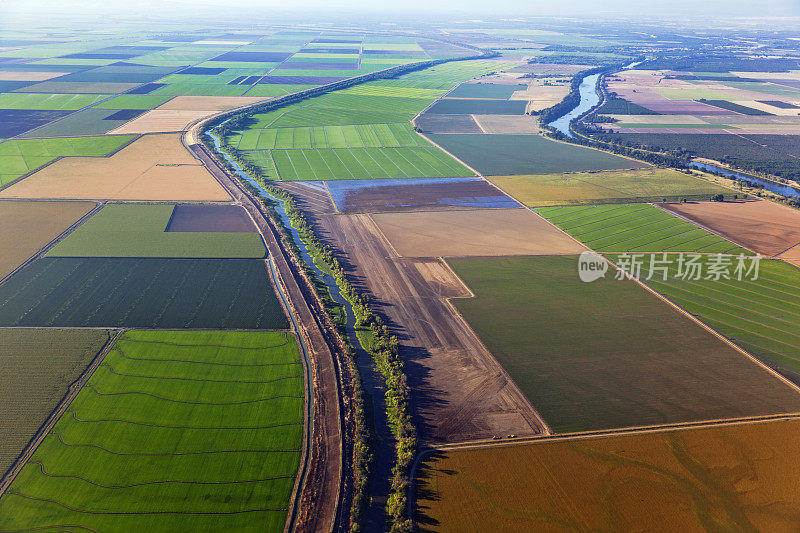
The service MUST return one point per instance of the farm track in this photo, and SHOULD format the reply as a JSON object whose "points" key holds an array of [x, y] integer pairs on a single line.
{"points": [[327, 486], [62, 408], [460, 390]]}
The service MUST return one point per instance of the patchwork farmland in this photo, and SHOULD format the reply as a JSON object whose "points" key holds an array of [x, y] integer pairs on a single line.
{"points": [[636, 228], [242, 290], [199, 429]]}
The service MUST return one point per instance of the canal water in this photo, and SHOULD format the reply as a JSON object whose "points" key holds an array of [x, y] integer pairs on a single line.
{"points": [[371, 380]]}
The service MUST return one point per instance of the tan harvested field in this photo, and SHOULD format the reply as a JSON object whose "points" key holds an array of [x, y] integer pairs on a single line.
{"points": [[161, 120], [765, 227], [507, 124], [730, 478], [208, 103], [479, 232], [460, 391], [6, 75], [29, 226], [792, 255], [154, 167], [542, 96]]}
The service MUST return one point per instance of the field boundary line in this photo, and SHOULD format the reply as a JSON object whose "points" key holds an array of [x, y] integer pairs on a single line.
{"points": [[61, 236], [703, 226], [708, 328], [61, 408]]}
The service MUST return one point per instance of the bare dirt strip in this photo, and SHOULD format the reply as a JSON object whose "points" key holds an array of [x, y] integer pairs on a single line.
{"points": [[460, 391], [153, 167], [478, 232], [319, 501], [765, 227]]}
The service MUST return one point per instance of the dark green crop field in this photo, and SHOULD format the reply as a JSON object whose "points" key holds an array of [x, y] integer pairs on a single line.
{"points": [[36, 367], [458, 106], [175, 431], [142, 292], [607, 354], [505, 155], [761, 315]]}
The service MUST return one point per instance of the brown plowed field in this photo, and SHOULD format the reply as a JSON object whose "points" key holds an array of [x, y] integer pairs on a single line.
{"points": [[311, 197], [153, 167], [507, 124], [162, 120], [765, 227], [730, 478], [460, 392], [479, 232], [29, 226]]}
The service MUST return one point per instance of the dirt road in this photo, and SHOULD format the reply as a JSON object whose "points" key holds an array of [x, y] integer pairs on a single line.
{"points": [[460, 391]]}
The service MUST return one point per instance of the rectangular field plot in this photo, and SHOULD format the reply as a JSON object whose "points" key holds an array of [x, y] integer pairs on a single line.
{"points": [[29, 226], [142, 292], [14, 122], [48, 102], [210, 218], [37, 367], [19, 157], [504, 155], [362, 196], [762, 315], [367, 163], [636, 228], [485, 90], [765, 227], [664, 481], [458, 106], [607, 354], [587, 188], [474, 232], [131, 230], [350, 136], [199, 430], [437, 123]]}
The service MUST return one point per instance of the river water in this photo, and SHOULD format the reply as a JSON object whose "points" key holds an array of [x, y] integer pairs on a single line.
{"points": [[589, 99], [779, 188], [371, 380]]}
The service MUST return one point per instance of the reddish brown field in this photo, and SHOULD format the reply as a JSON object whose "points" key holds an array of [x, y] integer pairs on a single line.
{"points": [[731, 478], [765, 227]]}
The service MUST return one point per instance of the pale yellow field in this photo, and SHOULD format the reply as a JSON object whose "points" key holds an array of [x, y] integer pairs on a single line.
{"points": [[154, 167], [510, 124], [161, 120], [28, 76], [208, 103]]}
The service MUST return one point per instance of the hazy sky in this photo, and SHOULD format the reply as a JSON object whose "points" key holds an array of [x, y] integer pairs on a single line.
{"points": [[631, 8]]}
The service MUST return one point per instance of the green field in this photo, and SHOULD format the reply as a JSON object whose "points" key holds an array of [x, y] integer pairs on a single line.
{"points": [[762, 316], [36, 368], [19, 157], [350, 136], [636, 228], [196, 431], [485, 90], [591, 188], [505, 155], [50, 102], [367, 163], [133, 101], [608, 353], [142, 293], [137, 230]]}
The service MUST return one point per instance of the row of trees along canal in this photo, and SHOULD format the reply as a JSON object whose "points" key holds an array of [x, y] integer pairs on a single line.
{"points": [[374, 336]]}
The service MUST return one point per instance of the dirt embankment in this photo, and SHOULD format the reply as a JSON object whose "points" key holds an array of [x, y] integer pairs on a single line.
{"points": [[460, 391]]}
